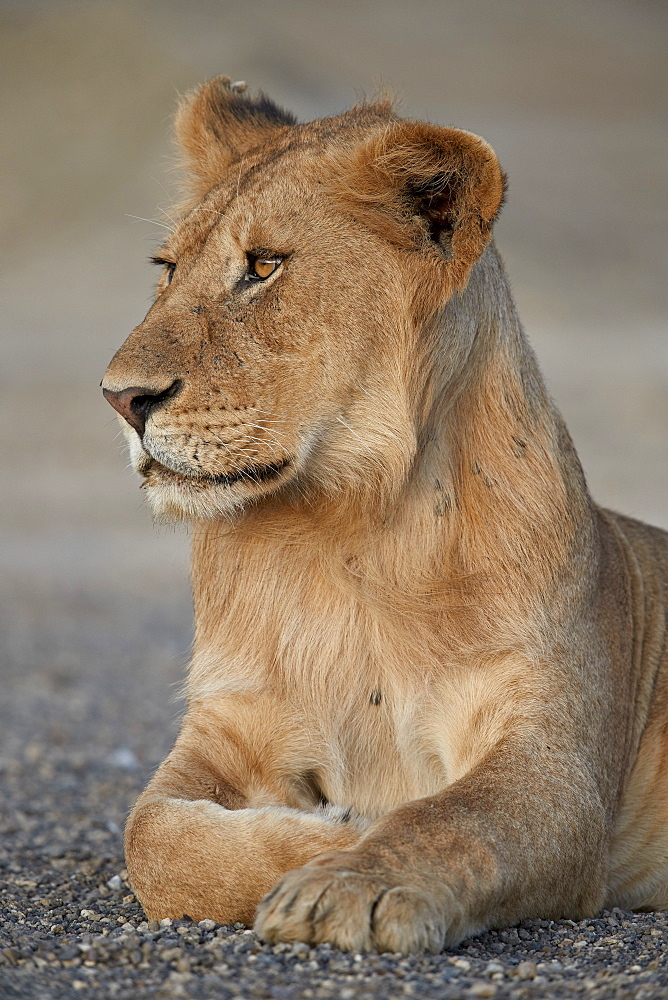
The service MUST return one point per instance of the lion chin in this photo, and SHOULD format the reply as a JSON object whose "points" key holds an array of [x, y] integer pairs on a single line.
{"points": [[201, 496], [176, 491]]}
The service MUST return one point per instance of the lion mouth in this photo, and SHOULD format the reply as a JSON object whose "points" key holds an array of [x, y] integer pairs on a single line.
{"points": [[250, 474]]}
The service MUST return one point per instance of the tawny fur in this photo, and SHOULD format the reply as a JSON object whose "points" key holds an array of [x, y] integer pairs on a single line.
{"points": [[407, 605]]}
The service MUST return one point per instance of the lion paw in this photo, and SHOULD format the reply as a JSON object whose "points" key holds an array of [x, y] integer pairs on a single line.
{"points": [[352, 911]]}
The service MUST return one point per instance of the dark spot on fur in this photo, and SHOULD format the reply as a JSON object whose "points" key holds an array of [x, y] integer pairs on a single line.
{"points": [[197, 310], [519, 451], [443, 505], [376, 697]]}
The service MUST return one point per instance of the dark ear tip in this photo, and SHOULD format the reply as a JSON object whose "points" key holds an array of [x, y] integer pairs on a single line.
{"points": [[221, 97], [219, 121]]}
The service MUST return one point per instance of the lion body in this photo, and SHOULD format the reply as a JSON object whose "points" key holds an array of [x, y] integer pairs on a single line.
{"points": [[430, 676]]}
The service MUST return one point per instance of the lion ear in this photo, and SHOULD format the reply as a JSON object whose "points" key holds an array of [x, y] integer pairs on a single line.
{"points": [[439, 189], [217, 123]]}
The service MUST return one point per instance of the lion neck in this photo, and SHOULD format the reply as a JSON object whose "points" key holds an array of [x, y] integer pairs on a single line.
{"points": [[516, 496], [492, 511]]}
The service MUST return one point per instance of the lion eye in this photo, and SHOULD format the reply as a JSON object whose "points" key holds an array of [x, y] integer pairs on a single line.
{"points": [[168, 265], [260, 268]]}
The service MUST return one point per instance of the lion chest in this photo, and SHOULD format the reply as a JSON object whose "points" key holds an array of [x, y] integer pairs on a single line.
{"points": [[377, 750], [339, 699], [354, 734]]}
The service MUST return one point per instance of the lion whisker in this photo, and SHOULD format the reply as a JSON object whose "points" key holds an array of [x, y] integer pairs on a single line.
{"points": [[258, 440], [201, 208], [351, 429], [268, 440], [275, 416], [161, 185], [153, 222], [260, 427]]}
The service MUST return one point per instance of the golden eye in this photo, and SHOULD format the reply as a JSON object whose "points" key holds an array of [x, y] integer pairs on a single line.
{"points": [[261, 268]]}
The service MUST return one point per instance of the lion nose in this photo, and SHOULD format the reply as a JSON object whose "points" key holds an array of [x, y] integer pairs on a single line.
{"points": [[136, 402]]}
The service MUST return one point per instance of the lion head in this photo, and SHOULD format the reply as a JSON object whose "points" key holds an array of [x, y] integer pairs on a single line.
{"points": [[291, 347]]}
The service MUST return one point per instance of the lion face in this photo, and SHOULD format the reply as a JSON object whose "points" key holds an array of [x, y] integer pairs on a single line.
{"points": [[267, 315], [278, 353]]}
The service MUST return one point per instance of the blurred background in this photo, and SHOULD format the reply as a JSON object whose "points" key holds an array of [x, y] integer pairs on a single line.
{"points": [[570, 94]]}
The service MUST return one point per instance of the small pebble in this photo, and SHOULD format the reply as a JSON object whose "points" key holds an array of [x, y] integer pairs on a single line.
{"points": [[482, 990], [124, 758], [526, 970]]}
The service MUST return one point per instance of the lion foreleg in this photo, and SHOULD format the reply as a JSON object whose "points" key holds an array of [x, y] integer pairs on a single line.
{"points": [[518, 837], [199, 859]]}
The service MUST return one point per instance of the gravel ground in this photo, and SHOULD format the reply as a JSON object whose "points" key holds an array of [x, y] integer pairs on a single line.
{"points": [[86, 715]]}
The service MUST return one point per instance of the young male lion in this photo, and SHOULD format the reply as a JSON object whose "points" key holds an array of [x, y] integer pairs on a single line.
{"points": [[429, 690]]}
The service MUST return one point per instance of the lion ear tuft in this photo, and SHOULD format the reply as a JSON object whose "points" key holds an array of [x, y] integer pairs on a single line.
{"points": [[447, 180], [219, 122]]}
